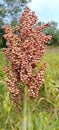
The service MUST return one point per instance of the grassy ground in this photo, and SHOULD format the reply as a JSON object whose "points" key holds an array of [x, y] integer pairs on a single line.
{"points": [[43, 113]]}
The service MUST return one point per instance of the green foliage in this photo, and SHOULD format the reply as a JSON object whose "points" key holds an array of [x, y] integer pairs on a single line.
{"points": [[41, 114], [10, 10], [53, 31], [2, 40]]}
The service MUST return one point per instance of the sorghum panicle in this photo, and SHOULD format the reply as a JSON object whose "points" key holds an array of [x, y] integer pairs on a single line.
{"points": [[26, 45]]}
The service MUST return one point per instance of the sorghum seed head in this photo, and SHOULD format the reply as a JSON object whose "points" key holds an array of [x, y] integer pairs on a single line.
{"points": [[24, 52]]}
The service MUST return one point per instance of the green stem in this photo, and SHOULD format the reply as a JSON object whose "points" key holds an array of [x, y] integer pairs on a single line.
{"points": [[25, 109]]}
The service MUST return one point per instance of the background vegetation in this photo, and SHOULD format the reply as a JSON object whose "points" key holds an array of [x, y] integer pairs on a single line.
{"points": [[53, 31], [9, 13], [44, 112]]}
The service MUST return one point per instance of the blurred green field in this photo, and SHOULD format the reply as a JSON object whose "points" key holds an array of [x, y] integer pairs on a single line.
{"points": [[43, 113]]}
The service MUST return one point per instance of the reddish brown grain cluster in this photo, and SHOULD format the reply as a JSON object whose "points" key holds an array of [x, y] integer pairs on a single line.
{"points": [[26, 46]]}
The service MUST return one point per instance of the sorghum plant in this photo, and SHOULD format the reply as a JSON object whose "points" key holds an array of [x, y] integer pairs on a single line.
{"points": [[26, 45]]}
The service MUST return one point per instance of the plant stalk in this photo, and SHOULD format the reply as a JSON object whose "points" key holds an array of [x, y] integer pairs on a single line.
{"points": [[25, 109]]}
